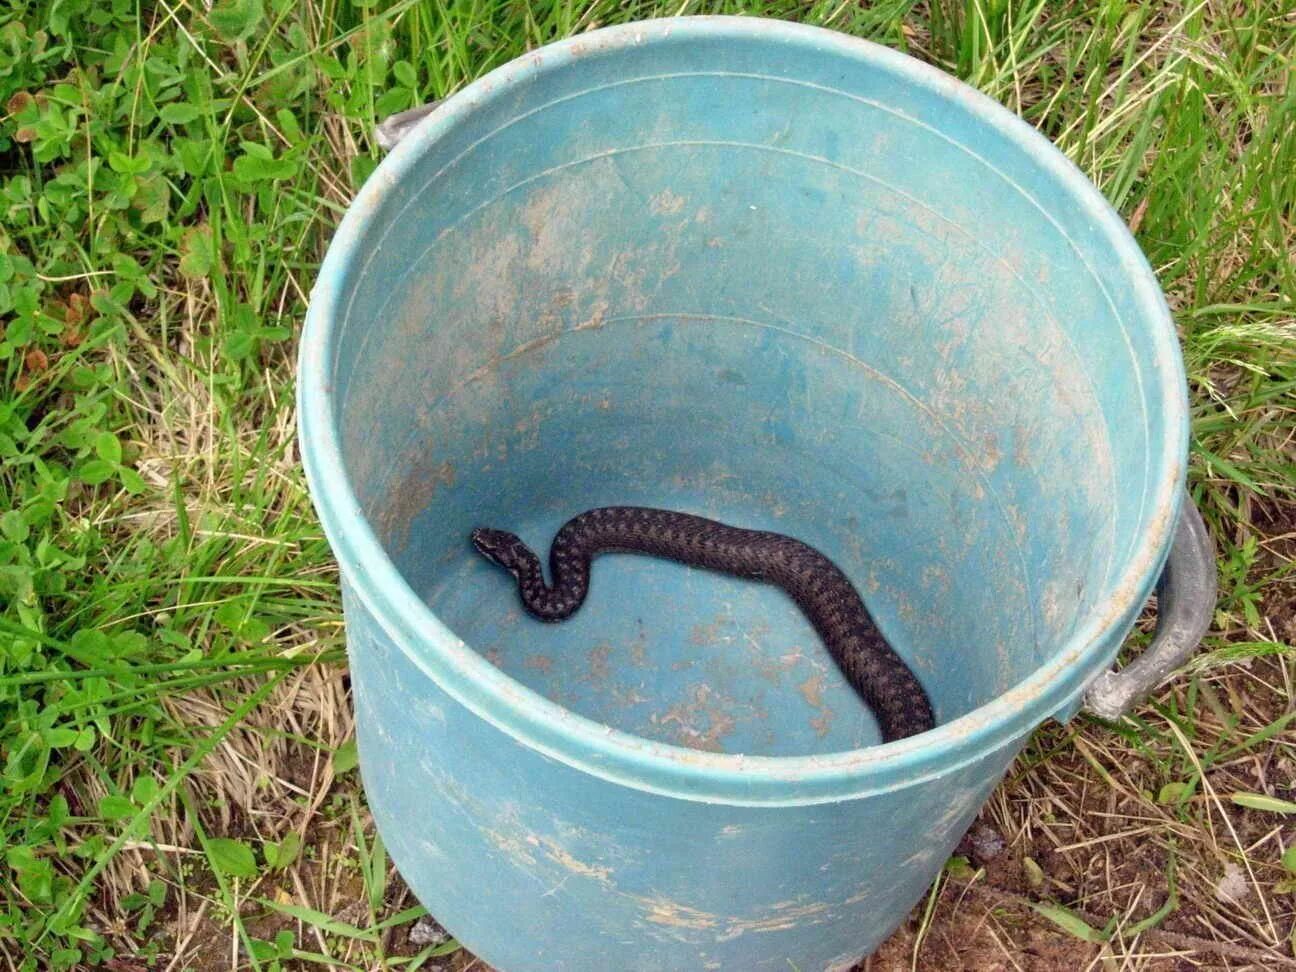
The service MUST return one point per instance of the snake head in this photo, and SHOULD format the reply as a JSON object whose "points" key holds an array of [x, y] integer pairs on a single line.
{"points": [[499, 547]]}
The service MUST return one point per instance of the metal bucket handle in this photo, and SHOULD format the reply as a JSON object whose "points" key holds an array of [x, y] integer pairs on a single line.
{"points": [[393, 128], [1185, 591], [1185, 605]]}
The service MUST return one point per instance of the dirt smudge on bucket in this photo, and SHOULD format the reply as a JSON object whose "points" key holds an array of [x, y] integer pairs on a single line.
{"points": [[666, 203], [812, 691], [410, 498], [599, 669], [709, 633], [595, 319], [701, 723]]}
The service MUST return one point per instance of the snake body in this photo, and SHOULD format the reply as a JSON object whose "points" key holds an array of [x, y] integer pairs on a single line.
{"points": [[823, 593]]}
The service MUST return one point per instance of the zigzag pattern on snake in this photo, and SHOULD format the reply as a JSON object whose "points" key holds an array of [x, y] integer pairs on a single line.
{"points": [[823, 593]]}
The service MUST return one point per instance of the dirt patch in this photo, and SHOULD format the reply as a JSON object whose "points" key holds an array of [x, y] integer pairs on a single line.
{"points": [[202, 937], [1275, 520], [982, 935], [1278, 606]]}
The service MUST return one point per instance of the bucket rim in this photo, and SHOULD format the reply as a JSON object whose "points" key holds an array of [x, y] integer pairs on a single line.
{"points": [[593, 747]]}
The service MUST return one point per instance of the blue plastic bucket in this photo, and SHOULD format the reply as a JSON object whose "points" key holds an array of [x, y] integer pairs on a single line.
{"points": [[783, 278]]}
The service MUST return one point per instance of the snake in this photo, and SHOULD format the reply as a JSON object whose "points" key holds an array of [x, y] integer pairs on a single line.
{"points": [[818, 586]]}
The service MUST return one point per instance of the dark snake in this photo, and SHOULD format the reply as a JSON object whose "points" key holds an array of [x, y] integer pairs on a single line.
{"points": [[823, 593]]}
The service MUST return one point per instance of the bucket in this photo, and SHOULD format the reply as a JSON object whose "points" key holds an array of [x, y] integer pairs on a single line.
{"points": [[791, 281]]}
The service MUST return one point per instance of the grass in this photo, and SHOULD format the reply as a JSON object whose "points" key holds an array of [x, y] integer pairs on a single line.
{"points": [[176, 782]]}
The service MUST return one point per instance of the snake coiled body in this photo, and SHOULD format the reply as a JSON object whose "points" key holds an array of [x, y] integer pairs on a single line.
{"points": [[823, 593]]}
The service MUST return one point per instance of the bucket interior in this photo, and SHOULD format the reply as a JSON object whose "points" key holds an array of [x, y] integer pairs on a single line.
{"points": [[773, 283]]}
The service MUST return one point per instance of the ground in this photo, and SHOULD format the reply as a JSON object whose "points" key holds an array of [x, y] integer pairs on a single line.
{"points": [[178, 786]]}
